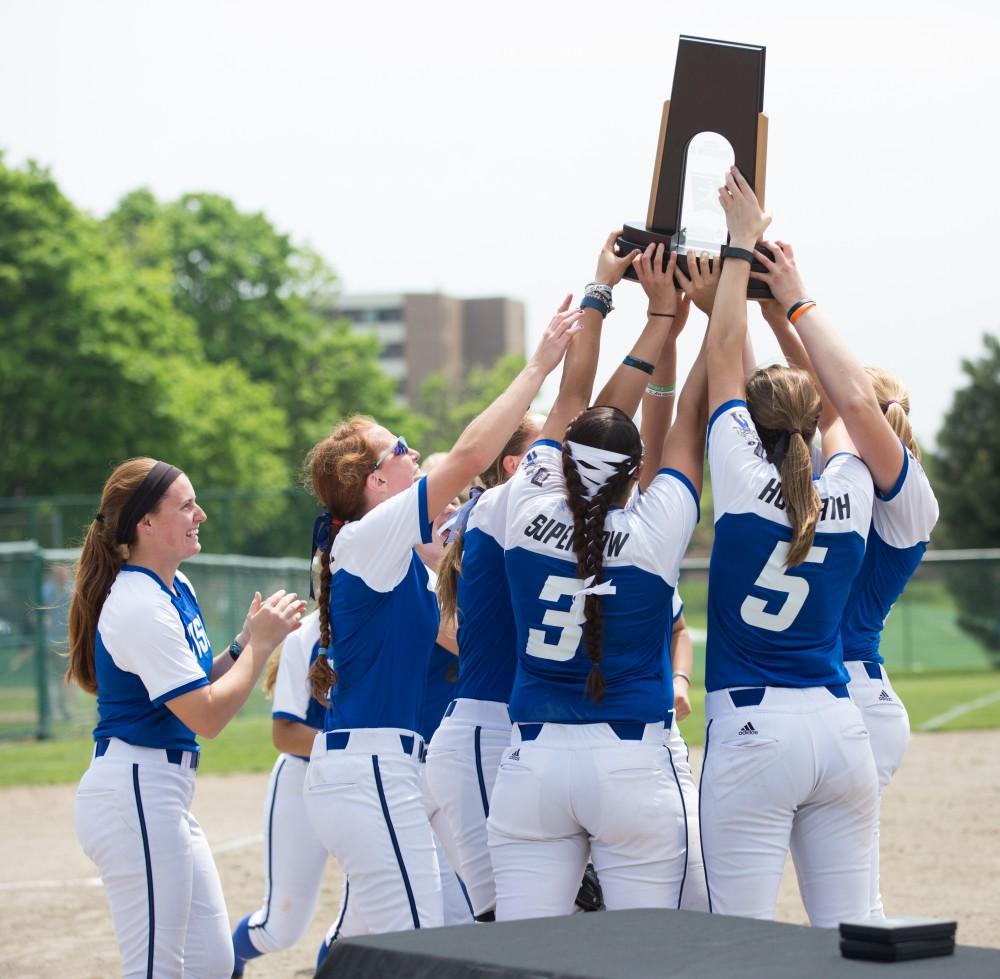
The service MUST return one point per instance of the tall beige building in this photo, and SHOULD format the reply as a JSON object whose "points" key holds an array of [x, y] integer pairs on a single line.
{"points": [[427, 333]]}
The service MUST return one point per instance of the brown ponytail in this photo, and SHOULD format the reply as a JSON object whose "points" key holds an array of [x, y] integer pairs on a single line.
{"points": [[495, 473], [785, 405], [101, 558], [894, 400], [338, 468], [606, 428]]}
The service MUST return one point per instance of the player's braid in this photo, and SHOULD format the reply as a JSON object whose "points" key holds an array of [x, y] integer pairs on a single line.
{"points": [[337, 469], [588, 546]]}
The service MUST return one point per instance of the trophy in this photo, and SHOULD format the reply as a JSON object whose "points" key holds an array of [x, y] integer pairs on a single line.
{"points": [[714, 118]]}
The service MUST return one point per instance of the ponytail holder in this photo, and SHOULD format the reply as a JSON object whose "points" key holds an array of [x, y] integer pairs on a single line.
{"points": [[99, 517], [321, 539], [794, 431], [336, 523], [891, 401]]}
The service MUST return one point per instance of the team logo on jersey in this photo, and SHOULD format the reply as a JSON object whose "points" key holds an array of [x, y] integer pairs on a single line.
{"points": [[745, 429], [540, 476]]}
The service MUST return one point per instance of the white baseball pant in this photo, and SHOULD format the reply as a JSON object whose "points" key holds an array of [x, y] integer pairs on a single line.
{"points": [[364, 801], [133, 820], [294, 861], [568, 791], [462, 762], [889, 729], [793, 770], [694, 892]]}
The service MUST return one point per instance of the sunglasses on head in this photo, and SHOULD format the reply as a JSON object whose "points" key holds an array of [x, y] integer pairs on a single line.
{"points": [[398, 448]]}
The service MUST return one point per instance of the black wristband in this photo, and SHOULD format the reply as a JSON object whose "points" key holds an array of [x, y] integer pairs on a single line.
{"points": [[671, 315], [731, 251], [795, 307], [642, 365], [235, 649]]}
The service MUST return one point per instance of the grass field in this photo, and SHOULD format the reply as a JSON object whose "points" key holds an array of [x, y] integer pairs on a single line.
{"points": [[245, 745]]}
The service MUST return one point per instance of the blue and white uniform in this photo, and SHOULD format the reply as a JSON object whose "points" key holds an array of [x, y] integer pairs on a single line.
{"points": [[902, 520], [582, 777], [133, 805], [294, 858], [442, 678], [465, 753], [787, 759], [363, 793], [694, 895]]}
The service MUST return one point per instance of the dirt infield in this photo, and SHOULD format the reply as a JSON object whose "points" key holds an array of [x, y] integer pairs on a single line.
{"points": [[940, 857]]}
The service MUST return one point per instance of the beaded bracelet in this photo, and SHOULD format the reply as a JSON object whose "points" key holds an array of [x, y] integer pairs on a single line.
{"points": [[642, 365]]}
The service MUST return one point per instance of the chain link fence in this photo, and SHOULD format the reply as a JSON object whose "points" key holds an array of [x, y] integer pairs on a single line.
{"points": [[931, 628]]}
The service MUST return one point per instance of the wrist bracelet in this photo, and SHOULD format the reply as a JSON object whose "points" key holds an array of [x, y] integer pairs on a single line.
{"points": [[235, 649], [671, 315], [601, 287], [661, 391], [797, 309], [732, 251], [681, 673], [593, 302], [642, 365]]}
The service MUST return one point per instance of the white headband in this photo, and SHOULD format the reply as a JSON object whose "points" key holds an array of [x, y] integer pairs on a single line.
{"points": [[595, 466]]}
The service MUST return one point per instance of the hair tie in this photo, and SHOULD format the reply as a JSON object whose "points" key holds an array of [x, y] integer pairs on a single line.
{"points": [[336, 523], [321, 540], [794, 431], [891, 401], [99, 517]]}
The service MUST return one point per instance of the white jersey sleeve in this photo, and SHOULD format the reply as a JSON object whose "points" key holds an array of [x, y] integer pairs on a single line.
{"points": [[905, 515], [292, 689], [736, 458], [490, 513], [378, 547], [664, 517], [143, 633], [677, 607]]}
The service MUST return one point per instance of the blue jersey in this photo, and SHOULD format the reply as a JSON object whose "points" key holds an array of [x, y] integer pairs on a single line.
{"points": [[770, 625], [383, 617], [643, 546], [487, 636], [151, 647], [902, 520], [293, 699], [442, 676]]}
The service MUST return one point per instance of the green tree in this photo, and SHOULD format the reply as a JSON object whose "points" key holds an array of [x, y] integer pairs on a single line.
{"points": [[262, 301], [967, 483], [100, 365], [449, 408]]}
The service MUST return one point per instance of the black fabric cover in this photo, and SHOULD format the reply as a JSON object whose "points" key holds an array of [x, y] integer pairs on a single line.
{"points": [[630, 945]]}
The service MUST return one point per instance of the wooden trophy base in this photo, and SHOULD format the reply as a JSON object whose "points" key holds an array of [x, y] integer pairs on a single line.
{"points": [[639, 236]]}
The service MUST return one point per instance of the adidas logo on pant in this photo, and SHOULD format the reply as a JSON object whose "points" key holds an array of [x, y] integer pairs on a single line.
{"points": [[884, 697], [515, 755], [748, 728]]}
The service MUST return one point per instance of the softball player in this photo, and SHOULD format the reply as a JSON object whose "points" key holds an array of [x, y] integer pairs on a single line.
{"points": [[294, 859], [874, 406], [465, 751], [378, 622], [591, 584], [137, 640], [787, 759]]}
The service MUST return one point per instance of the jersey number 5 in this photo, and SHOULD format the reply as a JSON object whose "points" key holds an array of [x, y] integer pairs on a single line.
{"points": [[569, 622], [775, 578]]}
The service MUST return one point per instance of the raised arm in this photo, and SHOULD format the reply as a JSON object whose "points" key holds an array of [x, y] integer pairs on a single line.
{"points": [[488, 433], [727, 328], [841, 375], [625, 388], [577, 382]]}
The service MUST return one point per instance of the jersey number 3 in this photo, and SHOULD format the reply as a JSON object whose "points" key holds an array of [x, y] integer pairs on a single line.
{"points": [[569, 622], [774, 577]]}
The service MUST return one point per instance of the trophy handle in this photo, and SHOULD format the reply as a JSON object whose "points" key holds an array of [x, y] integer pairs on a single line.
{"points": [[760, 170], [660, 143]]}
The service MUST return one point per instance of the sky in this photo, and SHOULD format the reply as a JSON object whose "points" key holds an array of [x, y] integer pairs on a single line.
{"points": [[489, 149]]}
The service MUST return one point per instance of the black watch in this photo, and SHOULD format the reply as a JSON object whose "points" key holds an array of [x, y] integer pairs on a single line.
{"points": [[235, 649]]}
